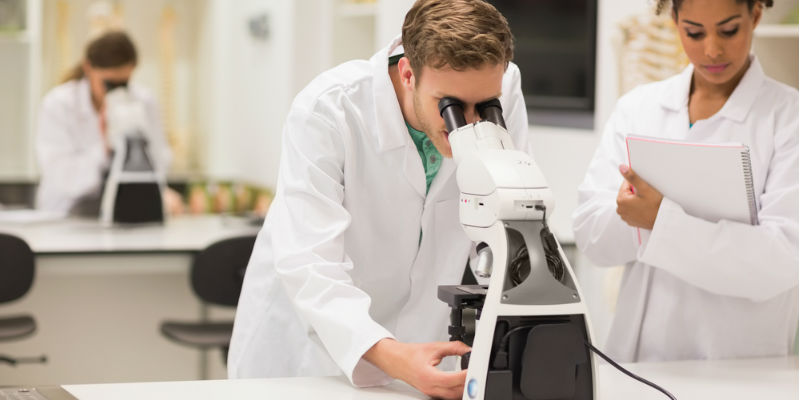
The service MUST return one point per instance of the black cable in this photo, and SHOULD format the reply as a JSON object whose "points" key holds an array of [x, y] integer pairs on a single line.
{"points": [[556, 266], [516, 269], [501, 357], [503, 342], [629, 373], [554, 262]]}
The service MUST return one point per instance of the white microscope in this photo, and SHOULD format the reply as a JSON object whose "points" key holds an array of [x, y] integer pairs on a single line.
{"points": [[132, 192], [532, 331]]}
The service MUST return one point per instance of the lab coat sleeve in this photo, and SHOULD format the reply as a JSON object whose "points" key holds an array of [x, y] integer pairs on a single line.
{"points": [[68, 170], [310, 220], [600, 233], [515, 113], [755, 262]]}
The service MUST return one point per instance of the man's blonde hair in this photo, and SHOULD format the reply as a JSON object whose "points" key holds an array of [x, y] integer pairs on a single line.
{"points": [[459, 34]]}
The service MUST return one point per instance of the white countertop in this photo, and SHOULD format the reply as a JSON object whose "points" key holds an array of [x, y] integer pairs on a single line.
{"points": [[769, 378], [177, 234], [758, 378]]}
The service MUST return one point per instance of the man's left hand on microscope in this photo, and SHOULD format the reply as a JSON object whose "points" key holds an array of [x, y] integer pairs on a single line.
{"points": [[415, 364]]}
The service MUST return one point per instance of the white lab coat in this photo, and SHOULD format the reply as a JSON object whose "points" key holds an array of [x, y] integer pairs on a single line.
{"points": [[70, 148], [696, 289], [339, 263]]}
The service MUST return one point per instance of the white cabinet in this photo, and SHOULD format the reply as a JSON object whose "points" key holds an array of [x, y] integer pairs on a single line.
{"points": [[20, 60], [343, 30], [353, 31], [775, 42], [776, 46]]}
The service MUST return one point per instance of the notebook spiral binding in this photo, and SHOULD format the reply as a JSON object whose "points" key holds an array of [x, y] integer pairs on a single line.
{"points": [[748, 182]]}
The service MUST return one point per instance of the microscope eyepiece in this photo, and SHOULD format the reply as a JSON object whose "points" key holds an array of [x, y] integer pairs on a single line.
{"points": [[111, 85], [491, 111], [452, 111]]}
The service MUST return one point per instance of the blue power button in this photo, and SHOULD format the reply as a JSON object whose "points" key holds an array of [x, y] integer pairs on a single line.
{"points": [[472, 388]]}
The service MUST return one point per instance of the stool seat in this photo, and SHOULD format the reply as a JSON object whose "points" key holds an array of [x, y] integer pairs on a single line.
{"points": [[199, 334], [16, 327]]}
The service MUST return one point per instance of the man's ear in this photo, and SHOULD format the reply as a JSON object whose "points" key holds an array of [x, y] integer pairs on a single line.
{"points": [[406, 73]]}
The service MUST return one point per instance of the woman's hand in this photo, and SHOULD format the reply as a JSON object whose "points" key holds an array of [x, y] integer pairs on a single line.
{"points": [[637, 201]]}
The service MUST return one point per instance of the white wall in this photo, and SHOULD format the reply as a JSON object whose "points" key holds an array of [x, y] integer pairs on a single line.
{"points": [[20, 64], [249, 88], [247, 85], [314, 51], [390, 16], [564, 154], [15, 142]]}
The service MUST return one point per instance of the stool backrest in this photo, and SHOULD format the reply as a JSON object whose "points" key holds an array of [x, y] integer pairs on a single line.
{"points": [[16, 268], [218, 271]]}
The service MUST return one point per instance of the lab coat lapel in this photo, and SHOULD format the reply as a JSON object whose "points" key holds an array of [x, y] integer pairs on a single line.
{"points": [[412, 168], [676, 97], [391, 130], [441, 188], [741, 100], [392, 134], [739, 103]]}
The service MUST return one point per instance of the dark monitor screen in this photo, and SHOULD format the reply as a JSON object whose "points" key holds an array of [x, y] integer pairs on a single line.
{"points": [[555, 50]]}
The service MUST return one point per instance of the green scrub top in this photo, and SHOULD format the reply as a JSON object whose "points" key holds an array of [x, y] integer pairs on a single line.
{"points": [[431, 158]]}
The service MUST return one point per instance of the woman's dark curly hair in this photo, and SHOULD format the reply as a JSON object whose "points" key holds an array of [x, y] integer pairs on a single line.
{"points": [[676, 4]]}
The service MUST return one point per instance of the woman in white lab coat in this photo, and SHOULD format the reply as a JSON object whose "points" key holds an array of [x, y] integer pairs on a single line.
{"points": [[695, 289], [355, 243], [72, 144]]}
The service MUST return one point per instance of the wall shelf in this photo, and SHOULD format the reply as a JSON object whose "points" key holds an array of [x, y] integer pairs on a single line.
{"points": [[787, 31]]}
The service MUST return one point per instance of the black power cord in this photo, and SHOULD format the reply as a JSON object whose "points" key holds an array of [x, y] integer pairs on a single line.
{"points": [[501, 359], [554, 262], [629, 373], [520, 264], [520, 268]]}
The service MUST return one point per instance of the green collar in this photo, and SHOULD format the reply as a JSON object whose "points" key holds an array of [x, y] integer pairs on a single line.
{"points": [[395, 58], [431, 158]]}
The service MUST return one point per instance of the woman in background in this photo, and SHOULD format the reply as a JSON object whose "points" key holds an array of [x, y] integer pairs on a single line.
{"points": [[696, 289], [72, 143]]}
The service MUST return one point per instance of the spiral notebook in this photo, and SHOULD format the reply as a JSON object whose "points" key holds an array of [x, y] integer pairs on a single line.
{"points": [[710, 181]]}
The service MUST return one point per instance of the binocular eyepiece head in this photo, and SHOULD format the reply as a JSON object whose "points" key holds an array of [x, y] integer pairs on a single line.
{"points": [[111, 85], [452, 111]]}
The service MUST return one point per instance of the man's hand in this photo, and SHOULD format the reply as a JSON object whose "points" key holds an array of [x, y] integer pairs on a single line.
{"points": [[637, 201], [415, 364]]}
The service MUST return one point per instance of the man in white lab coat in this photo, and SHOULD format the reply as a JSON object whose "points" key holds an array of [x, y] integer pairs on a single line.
{"points": [[364, 226]]}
